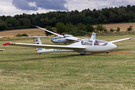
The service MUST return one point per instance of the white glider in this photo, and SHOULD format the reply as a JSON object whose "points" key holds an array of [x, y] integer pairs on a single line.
{"points": [[86, 45], [65, 38]]}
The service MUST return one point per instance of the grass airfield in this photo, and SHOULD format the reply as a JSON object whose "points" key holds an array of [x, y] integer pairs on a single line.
{"points": [[21, 68]]}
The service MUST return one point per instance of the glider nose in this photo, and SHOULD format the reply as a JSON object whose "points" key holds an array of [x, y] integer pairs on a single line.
{"points": [[52, 39]]}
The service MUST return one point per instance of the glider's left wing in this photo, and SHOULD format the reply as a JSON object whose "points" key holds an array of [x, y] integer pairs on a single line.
{"points": [[34, 36], [73, 39], [45, 46], [1, 49], [120, 40], [48, 31]]}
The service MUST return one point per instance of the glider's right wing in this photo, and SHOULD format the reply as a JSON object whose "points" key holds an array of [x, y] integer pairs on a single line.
{"points": [[46, 46], [48, 31], [121, 40], [73, 39]]}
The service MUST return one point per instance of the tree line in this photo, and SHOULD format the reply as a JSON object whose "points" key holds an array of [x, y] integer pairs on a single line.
{"points": [[81, 29], [80, 19]]}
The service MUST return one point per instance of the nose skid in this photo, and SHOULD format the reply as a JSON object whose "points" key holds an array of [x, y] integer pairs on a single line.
{"points": [[52, 39]]}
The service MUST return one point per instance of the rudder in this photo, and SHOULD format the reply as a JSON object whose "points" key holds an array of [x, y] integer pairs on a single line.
{"points": [[93, 37], [36, 40]]}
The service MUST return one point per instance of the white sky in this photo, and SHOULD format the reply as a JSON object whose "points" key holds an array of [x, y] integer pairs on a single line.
{"points": [[7, 8]]}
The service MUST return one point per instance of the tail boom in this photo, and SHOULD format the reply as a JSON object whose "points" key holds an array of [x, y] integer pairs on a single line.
{"points": [[42, 50]]}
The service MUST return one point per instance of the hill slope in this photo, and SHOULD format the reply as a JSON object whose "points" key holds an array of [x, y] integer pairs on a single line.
{"points": [[33, 31], [122, 26]]}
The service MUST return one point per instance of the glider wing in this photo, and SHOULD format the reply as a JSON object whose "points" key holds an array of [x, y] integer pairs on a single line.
{"points": [[46, 46], [120, 40], [73, 39], [48, 31]]}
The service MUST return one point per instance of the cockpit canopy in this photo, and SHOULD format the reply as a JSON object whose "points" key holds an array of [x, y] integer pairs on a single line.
{"points": [[57, 37], [68, 35], [86, 42], [94, 42], [61, 36]]}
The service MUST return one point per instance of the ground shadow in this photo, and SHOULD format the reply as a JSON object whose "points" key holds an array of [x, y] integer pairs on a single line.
{"points": [[51, 57]]}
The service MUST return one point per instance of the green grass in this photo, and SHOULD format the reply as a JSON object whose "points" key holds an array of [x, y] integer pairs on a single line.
{"points": [[23, 69]]}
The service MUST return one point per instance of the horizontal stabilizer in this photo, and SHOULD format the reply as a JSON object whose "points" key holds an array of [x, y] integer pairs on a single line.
{"points": [[33, 36]]}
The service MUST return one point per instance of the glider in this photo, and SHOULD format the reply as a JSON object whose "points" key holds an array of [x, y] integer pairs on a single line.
{"points": [[86, 45], [65, 38], [2, 49]]}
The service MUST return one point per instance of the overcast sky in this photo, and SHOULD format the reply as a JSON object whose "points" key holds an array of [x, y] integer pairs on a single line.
{"points": [[13, 7]]}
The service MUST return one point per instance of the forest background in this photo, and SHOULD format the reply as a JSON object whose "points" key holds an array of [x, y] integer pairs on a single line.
{"points": [[72, 22]]}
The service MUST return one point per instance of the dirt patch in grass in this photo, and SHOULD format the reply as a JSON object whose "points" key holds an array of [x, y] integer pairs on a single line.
{"points": [[122, 26]]}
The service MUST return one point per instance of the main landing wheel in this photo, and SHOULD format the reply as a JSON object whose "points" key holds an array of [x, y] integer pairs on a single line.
{"points": [[107, 52], [82, 53]]}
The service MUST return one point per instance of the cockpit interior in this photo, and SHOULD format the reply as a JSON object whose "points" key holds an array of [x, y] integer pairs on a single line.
{"points": [[94, 42]]}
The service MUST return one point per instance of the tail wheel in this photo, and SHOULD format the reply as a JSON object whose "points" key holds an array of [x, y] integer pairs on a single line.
{"points": [[82, 53]]}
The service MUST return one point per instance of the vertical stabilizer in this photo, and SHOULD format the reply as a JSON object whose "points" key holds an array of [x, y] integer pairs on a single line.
{"points": [[93, 37], [36, 40]]}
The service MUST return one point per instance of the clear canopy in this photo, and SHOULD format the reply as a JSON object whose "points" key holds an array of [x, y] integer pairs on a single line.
{"points": [[96, 42]]}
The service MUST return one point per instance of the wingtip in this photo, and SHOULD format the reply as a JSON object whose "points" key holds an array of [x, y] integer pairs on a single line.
{"points": [[36, 26], [6, 44], [11, 43], [130, 38]]}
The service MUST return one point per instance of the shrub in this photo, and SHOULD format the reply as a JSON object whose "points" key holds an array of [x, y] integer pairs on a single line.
{"points": [[105, 30], [118, 29], [100, 28], [129, 29], [77, 32], [111, 30], [50, 29], [19, 35]]}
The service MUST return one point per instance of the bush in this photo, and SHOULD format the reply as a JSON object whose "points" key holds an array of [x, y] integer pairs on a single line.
{"points": [[89, 28], [111, 30], [50, 29], [129, 29], [76, 32], [100, 28], [105, 30], [19, 35], [60, 27], [118, 29]]}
